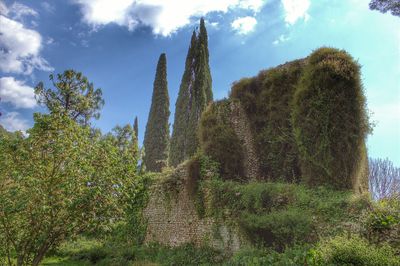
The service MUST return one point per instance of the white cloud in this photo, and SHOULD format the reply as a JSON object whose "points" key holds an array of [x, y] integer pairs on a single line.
{"points": [[295, 10], [13, 122], [164, 17], [17, 93], [3, 8], [20, 48], [281, 39], [244, 25], [18, 11], [48, 7]]}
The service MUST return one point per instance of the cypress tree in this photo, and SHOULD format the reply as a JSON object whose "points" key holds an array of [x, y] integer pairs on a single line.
{"points": [[203, 41], [195, 93], [156, 137], [136, 127]]}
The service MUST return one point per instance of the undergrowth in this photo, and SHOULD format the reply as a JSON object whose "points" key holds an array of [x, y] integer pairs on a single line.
{"points": [[278, 215]]}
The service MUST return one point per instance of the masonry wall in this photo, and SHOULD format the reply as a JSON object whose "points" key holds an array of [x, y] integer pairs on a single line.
{"points": [[172, 218], [242, 128]]}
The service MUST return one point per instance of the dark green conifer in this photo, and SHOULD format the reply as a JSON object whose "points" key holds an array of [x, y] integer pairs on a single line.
{"points": [[195, 93], [156, 137], [136, 127]]}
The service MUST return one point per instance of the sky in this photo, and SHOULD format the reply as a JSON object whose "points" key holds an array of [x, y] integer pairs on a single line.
{"points": [[116, 44]]}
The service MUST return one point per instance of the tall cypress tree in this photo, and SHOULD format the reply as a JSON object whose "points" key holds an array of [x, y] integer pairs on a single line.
{"points": [[203, 40], [195, 93], [136, 127], [156, 137]]}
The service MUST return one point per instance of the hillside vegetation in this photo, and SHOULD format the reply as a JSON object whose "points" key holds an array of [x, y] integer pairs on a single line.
{"points": [[282, 161]]}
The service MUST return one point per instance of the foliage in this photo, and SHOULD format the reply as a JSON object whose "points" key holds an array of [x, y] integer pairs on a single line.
{"points": [[297, 255], [353, 251], [136, 225], [329, 119], [59, 181], [108, 252], [382, 223], [219, 141], [136, 127], [280, 214], [384, 179], [386, 5], [72, 94], [309, 120], [267, 99], [194, 95], [156, 138], [125, 140]]}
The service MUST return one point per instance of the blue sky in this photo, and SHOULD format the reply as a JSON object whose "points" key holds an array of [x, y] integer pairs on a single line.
{"points": [[116, 44]]}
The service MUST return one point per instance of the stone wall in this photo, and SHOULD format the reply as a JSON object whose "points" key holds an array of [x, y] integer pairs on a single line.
{"points": [[172, 218], [242, 129]]}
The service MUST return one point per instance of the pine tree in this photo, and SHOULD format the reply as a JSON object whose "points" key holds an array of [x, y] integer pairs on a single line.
{"points": [[195, 93], [136, 127], [156, 137]]}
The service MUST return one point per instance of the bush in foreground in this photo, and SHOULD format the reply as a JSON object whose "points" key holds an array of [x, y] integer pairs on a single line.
{"points": [[353, 251]]}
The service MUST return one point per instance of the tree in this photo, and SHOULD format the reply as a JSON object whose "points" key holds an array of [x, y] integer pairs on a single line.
{"points": [[136, 127], [384, 179], [156, 138], [124, 138], [59, 181], [72, 94], [386, 5], [195, 93]]}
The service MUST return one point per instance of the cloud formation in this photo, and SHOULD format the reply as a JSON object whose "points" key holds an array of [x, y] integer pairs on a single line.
{"points": [[17, 93], [295, 10], [13, 122], [281, 39], [19, 46], [244, 25], [164, 17]]}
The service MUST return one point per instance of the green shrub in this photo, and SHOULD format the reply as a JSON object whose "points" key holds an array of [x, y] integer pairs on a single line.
{"points": [[219, 140], [329, 119], [279, 228], [186, 254], [353, 251], [281, 214], [382, 223], [297, 255]]}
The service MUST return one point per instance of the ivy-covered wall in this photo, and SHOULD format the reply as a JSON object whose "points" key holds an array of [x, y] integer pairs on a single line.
{"points": [[307, 119]]}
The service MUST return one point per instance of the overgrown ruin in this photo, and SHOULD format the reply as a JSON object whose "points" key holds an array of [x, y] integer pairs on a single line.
{"points": [[303, 122]]}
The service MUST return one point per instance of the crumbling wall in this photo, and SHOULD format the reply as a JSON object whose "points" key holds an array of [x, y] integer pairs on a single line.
{"points": [[242, 129], [172, 218]]}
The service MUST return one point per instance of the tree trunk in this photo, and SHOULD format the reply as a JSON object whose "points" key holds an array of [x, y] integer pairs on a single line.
{"points": [[40, 254], [20, 261]]}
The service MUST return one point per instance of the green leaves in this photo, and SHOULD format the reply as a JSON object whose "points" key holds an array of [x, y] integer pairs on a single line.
{"points": [[73, 95], [60, 181]]}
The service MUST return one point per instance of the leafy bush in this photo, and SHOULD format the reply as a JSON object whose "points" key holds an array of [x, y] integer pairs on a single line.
{"points": [[329, 119], [382, 223], [353, 251]]}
